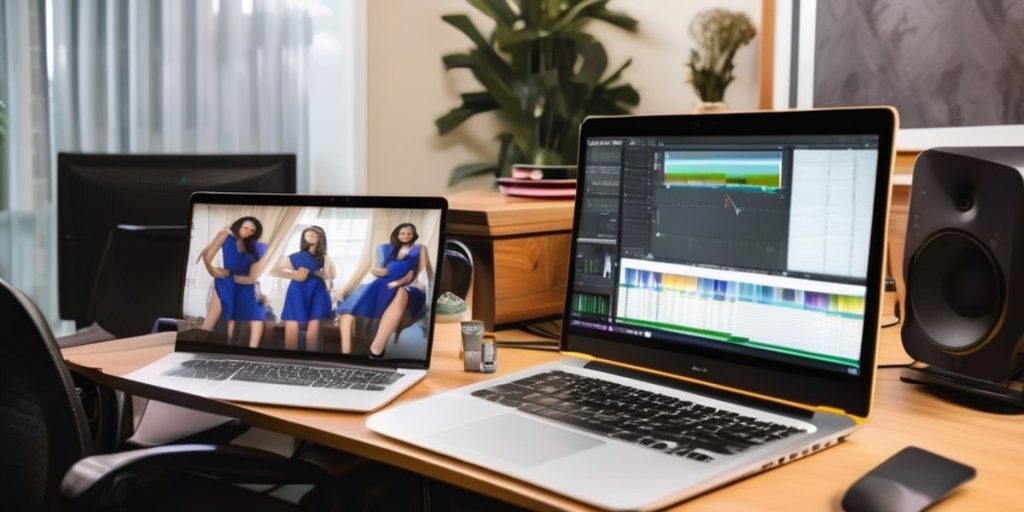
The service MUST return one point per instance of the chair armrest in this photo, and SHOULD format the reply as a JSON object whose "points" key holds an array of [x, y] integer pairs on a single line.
{"points": [[102, 481], [224, 433]]}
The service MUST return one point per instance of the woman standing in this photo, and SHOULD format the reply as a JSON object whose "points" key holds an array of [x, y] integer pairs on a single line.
{"points": [[308, 298], [234, 284], [394, 299]]}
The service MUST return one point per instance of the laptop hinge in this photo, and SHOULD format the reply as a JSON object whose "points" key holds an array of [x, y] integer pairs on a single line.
{"points": [[718, 394], [834, 410]]}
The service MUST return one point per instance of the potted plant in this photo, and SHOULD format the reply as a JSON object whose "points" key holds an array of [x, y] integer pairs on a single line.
{"points": [[543, 73], [719, 33]]}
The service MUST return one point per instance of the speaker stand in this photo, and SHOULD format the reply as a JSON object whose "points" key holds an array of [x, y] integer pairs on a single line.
{"points": [[1008, 391]]}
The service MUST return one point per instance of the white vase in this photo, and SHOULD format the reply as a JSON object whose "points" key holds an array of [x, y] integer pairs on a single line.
{"points": [[708, 107]]}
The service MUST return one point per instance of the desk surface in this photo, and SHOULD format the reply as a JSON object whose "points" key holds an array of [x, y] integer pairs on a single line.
{"points": [[903, 415]]}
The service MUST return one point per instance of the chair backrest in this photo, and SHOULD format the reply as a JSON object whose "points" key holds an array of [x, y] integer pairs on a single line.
{"points": [[43, 429], [139, 279], [458, 269]]}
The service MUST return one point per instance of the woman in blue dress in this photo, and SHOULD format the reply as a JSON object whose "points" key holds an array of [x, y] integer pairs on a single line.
{"points": [[394, 300], [234, 285], [308, 299]]}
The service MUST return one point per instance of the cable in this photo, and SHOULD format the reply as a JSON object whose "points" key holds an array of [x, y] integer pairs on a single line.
{"points": [[889, 366], [542, 329], [896, 313], [529, 345]]}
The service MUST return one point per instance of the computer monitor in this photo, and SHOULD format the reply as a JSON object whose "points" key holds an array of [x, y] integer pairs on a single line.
{"points": [[97, 192]]}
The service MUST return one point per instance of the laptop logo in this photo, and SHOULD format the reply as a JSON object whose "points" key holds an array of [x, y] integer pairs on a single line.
{"points": [[699, 369]]}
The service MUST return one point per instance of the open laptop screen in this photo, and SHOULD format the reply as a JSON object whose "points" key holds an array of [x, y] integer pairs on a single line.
{"points": [[328, 279], [743, 247]]}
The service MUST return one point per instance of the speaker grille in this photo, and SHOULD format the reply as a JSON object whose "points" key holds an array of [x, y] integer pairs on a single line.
{"points": [[956, 290]]}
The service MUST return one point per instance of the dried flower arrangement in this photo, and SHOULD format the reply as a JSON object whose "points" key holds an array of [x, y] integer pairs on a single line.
{"points": [[719, 34]]}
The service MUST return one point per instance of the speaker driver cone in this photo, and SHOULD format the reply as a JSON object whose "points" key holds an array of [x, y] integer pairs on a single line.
{"points": [[955, 289]]}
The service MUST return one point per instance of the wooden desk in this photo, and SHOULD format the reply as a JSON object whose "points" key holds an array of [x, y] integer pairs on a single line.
{"points": [[903, 415]]}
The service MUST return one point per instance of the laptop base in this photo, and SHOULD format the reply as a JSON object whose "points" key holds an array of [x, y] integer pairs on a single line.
{"points": [[1010, 391]]}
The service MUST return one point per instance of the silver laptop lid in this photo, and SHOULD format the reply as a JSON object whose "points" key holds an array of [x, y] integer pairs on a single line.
{"points": [[744, 250], [313, 277]]}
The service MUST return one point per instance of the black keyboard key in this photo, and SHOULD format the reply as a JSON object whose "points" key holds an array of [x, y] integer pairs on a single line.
{"points": [[660, 422], [285, 373]]}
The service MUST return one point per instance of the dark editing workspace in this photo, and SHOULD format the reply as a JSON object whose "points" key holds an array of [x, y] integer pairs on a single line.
{"points": [[505, 255]]}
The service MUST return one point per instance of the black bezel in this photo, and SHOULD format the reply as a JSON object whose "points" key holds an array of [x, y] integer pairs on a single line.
{"points": [[227, 198], [812, 387]]}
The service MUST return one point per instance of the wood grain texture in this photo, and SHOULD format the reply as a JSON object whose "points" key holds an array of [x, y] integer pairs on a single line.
{"points": [[492, 214], [766, 56], [531, 277], [520, 251], [903, 415]]}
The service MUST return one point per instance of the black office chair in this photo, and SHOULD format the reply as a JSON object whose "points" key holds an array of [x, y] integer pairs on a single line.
{"points": [[138, 280], [43, 433]]}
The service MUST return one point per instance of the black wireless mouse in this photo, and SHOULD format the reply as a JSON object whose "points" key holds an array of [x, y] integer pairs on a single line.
{"points": [[909, 481]]}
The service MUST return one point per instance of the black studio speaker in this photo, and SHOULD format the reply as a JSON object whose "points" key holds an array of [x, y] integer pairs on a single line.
{"points": [[964, 263]]}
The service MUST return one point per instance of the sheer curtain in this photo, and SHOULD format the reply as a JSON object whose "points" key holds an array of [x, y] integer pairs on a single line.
{"points": [[190, 76], [198, 76], [27, 217]]}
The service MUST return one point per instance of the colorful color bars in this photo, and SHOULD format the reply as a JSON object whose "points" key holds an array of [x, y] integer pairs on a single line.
{"points": [[731, 291], [753, 169]]}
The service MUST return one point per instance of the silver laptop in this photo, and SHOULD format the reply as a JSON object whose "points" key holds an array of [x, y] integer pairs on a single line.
{"points": [[309, 301], [721, 317]]}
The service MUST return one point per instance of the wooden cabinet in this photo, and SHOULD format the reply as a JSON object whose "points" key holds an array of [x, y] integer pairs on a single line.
{"points": [[520, 253]]}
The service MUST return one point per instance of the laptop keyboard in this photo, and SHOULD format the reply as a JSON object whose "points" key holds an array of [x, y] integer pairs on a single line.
{"points": [[657, 421], [284, 373]]}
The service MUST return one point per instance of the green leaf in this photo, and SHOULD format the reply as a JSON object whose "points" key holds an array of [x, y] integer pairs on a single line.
{"points": [[497, 10], [572, 14], [623, 94], [595, 61], [464, 25], [507, 151], [621, 20], [452, 119], [496, 80], [458, 60], [551, 8], [479, 100], [472, 104], [617, 74], [465, 171], [530, 11], [519, 37]]}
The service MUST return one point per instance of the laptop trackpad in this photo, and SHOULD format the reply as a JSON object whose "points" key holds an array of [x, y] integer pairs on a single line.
{"points": [[517, 439]]}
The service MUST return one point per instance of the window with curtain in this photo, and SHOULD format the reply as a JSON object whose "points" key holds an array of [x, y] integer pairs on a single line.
{"points": [[120, 76]]}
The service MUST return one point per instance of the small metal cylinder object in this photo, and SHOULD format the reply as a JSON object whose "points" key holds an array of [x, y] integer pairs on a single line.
{"points": [[472, 339], [489, 354], [479, 351]]}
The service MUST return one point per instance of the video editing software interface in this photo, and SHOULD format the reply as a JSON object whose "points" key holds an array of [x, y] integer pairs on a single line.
{"points": [[753, 245]]}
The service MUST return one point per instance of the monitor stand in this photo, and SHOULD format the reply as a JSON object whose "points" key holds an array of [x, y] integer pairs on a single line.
{"points": [[1010, 391]]}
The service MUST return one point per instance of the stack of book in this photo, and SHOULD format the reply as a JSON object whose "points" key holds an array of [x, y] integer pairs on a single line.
{"points": [[540, 181]]}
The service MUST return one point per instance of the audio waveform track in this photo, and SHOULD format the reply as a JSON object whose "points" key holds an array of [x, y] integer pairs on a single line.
{"points": [[817, 325], [591, 304], [595, 265], [732, 291]]}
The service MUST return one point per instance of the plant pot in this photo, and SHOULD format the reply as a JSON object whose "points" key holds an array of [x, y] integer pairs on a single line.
{"points": [[709, 107]]}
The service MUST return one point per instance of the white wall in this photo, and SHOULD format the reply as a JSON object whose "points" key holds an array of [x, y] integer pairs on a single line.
{"points": [[407, 87]]}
